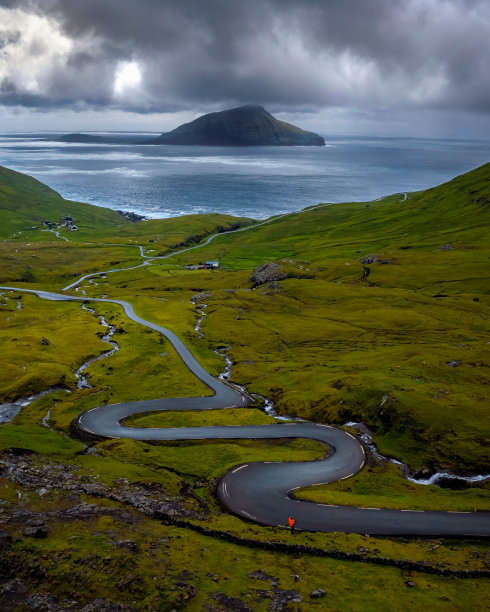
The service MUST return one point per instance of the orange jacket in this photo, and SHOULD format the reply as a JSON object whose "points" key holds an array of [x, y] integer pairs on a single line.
{"points": [[291, 521]]}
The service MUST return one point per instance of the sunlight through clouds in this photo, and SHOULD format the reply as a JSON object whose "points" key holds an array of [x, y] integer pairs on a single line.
{"points": [[127, 78]]}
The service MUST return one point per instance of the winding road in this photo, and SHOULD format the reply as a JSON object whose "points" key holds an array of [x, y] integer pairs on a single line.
{"points": [[261, 491]]}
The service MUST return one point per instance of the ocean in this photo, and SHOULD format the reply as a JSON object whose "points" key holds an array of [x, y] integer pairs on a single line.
{"points": [[166, 181]]}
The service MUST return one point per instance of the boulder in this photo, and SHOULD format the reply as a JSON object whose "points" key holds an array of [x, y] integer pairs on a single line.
{"points": [[267, 273], [281, 599]]}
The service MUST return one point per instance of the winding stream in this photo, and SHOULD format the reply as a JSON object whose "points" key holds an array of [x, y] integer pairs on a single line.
{"points": [[367, 439], [82, 381]]}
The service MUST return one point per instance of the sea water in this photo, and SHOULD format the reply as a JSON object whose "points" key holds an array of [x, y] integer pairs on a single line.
{"points": [[165, 180]]}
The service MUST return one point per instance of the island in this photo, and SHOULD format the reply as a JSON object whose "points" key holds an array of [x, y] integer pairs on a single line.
{"points": [[249, 125]]}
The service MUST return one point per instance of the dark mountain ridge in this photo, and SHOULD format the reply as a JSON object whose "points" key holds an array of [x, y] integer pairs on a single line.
{"points": [[249, 125]]}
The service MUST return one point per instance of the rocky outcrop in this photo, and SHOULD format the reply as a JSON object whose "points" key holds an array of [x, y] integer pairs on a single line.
{"points": [[146, 498], [231, 603], [132, 217], [248, 125], [371, 259], [281, 599], [267, 273], [271, 272]]}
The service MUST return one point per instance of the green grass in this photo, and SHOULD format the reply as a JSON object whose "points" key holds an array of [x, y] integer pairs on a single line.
{"points": [[323, 344], [39, 440], [237, 416], [385, 487], [27, 364], [83, 562], [210, 459]]}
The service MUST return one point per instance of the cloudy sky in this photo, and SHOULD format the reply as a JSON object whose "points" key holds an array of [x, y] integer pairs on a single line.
{"points": [[377, 67]]}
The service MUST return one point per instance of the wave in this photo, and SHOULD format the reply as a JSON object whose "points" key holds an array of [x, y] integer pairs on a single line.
{"points": [[54, 171]]}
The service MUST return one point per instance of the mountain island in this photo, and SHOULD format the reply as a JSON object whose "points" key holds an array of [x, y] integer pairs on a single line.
{"points": [[249, 125]]}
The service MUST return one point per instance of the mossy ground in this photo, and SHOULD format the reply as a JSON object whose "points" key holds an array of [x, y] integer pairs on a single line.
{"points": [[130, 559], [323, 344]]}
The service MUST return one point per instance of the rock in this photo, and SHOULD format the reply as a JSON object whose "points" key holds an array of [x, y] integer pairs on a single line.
{"points": [[267, 273], [370, 259], [281, 598], [231, 603], [455, 363], [202, 296], [130, 544], [45, 341], [35, 531], [5, 539], [24, 470], [132, 217], [261, 575], [318, 593], [446, 247], [410, 583]]}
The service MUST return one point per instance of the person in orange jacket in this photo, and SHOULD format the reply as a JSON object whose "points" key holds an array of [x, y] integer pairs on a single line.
{"points": [[292, 523]]}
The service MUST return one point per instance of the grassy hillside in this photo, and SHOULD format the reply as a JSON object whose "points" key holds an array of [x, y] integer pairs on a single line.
{"points": [[399, 342], [25, 202]]}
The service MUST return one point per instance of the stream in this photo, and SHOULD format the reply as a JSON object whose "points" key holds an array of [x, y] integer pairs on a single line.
{"points": [[266, 404], [438, 478], [82, 378], [9, 410]]}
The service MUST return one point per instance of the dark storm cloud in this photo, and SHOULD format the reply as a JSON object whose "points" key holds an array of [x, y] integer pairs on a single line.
{"points": [[286, 54]]}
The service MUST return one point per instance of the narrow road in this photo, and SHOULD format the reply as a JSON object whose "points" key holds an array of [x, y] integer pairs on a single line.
{"points": [[150, 258], [261, 491]]}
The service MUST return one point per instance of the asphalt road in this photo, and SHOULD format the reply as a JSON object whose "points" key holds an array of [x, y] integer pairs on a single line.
{"points": [[262, 491]]}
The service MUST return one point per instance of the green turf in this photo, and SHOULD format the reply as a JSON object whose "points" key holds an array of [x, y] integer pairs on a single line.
{"points": [[324, 344]]}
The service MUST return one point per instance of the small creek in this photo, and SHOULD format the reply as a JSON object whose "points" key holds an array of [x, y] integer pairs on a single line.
{"points": [[82, 378], [266, 404], [438, 478], [9, 410]]}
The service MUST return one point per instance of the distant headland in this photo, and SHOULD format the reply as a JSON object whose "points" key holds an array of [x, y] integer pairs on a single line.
{"points": [[249, 125]]}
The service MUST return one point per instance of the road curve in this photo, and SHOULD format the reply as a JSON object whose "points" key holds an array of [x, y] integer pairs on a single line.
{"points": [[261, 491]]}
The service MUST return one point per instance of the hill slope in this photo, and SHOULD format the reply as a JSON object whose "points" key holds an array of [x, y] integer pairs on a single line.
{"points": [[248, 125], [25, 201], [325, 342], [383, 305]]}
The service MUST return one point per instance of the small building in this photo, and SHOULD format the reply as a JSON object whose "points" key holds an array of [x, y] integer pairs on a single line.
{"points": [[208, 265]]}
